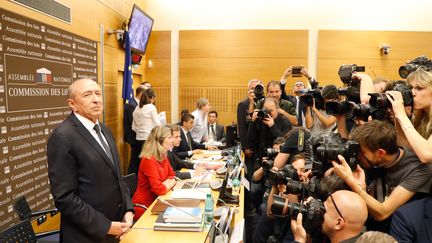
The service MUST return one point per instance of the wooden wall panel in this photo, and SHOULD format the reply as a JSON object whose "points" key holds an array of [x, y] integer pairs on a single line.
{"points": [[159, 74], [336, 47], [217, 64], [243, 43]]}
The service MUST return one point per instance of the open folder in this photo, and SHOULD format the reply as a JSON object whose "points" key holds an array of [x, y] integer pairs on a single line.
{"points": [[160, 207]]}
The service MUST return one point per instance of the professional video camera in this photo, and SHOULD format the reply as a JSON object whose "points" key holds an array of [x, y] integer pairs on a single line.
{"points": [[282, 176], [419, 62], [380, 101], [259, 92], [346, 71], [313, 212]]}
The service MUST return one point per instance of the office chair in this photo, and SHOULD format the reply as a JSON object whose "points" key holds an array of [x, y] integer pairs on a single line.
{"points": [[20, 232], [22, 208], [131, 181]]}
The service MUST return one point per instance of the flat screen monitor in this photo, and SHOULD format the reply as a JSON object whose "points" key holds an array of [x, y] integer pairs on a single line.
{"points": [[140, 26], [231, 135]]}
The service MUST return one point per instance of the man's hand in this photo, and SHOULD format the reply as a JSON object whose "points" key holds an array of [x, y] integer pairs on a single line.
{"points": [[287, 73], [118, 228], [197, 151], [211, 147], [343, 170], [212, 166], [128, 219], [268, 121], [305, 72], [251, 96], [297, 228]]}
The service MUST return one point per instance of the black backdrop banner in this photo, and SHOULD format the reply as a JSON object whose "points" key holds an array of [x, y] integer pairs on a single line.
{"points": [[37, 64]]}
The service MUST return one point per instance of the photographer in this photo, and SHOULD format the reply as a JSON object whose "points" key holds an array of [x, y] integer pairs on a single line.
{"points": [[344, 218], [317, 119], [265, 225], [287, 108], [298, 91], [267, 124], [402, 175], [294, 144], [415, 134]]}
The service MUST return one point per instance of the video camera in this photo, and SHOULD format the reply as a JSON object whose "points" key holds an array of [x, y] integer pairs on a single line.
{"points": [[346, 71], [259, 92], [419, 62], [313, 212]]}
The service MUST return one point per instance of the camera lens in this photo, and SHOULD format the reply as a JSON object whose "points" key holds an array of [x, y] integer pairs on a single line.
{"points": [[405, 70]]}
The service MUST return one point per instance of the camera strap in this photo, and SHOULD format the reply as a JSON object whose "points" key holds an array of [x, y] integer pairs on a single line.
{"points": [[300, 141]]}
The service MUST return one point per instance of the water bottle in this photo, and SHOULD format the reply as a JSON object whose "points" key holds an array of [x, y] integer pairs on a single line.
{"points": [[235, 186], [208, 210]]}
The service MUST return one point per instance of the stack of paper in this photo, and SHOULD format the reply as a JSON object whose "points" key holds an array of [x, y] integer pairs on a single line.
{"points": [[180, 219]]}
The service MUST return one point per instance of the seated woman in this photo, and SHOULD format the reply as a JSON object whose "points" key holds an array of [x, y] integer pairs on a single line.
{"points": [[155, 174]]}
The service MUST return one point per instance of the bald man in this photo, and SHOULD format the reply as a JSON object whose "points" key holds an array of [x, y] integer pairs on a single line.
{"points": [[83, 169], [344, 218]]}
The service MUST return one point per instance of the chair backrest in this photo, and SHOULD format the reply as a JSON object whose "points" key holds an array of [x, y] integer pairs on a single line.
{"points": [[131, 181], [22, 208], [20, 232]]}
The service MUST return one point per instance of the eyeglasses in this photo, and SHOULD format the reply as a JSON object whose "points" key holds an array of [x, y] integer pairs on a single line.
{"points": [[334, 204]]}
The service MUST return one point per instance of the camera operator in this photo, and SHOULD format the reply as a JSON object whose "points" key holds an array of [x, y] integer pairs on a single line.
{"points": [[266, 225], [402, 175], [267, 124], [287, 108], [344, 218], [298, 90], [418, 133], [317, 119]]}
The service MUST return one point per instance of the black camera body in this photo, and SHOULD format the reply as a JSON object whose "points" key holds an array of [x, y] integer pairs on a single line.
{"points": [[350, 150], [310, 96], [336, 108], [259, 92], [346, 71], [262, 114], [271, 153], [313, 212], [419, 62], [282, 176], [380, 101], [267, 165]]}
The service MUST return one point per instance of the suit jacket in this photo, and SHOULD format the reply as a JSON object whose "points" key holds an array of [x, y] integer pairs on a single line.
{"points": [[88, 188], [413, 222], [182, 150], [220, 132], [129, 134], [177, 164], [242, 123]]}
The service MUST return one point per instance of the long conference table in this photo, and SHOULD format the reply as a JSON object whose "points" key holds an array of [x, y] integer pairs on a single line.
{"points": [[142, 230]]}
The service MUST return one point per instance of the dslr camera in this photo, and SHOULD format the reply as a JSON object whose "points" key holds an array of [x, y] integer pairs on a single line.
{"points": [[346, 71], [259, 92], [310, 96], [380, 101], [419, 62], [262, 114], [313, 212], [282, 176]]}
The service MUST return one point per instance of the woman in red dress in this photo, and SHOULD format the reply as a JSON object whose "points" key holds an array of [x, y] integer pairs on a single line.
{"points": [[155, 174]]}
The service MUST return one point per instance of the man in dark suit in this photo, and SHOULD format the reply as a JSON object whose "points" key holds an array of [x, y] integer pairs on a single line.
{"points": [[188, 146], [83, 169], [413, 222], [129, 134], [216, 132]]}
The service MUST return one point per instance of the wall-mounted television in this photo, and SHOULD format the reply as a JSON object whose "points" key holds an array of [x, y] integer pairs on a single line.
{"points": [[140, 26]]}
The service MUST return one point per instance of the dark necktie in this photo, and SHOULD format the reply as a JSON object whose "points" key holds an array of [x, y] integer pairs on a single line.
{"points": [[104, 144], [213, 131], [189, 140]]}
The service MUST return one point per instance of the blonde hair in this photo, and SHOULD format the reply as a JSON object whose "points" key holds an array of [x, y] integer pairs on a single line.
{"points": [[202, 102], [153, 145], [423, 118]]}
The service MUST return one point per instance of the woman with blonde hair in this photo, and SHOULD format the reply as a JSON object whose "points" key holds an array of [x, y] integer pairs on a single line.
{"points": [[155, 174], [416, 132]]}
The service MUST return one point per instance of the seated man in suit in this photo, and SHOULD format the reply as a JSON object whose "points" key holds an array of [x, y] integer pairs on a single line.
{"points": [[216, 132], [188, 146], [177, 164]]}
